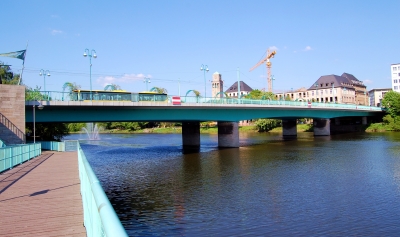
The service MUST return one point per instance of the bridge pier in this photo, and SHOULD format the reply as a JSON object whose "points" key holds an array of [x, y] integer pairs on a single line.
{"points": [[289, 127], [191, 134], [322, 127], [364, 120], [228, 134]]}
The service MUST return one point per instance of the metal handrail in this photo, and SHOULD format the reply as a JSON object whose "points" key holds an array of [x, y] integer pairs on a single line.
{"points": [[99, 216], [14, 155], [209, 101]]}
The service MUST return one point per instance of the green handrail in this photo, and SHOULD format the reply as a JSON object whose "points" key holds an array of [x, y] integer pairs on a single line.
{"points": [[99, 216]]}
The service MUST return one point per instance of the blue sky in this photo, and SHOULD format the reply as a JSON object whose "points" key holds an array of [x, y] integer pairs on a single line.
{"points": [[168, 41]]}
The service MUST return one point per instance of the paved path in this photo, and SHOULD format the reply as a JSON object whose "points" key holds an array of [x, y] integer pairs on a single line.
{"points": [[42, 197]]}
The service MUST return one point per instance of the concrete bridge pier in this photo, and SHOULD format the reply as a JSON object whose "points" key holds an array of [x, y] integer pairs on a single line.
{"points": [[322, 127], [191, 134], [228, 134], [289, 127], [364, 120]]}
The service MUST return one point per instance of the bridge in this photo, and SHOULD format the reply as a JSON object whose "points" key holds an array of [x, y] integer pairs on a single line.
{"points": [[191, 111]]}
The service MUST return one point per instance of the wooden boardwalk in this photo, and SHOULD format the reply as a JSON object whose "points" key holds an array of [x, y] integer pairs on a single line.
{"points": [[42, 197]]}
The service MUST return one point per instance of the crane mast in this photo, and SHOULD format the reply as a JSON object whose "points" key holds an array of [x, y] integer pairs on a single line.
{"points": [[268, 65]]}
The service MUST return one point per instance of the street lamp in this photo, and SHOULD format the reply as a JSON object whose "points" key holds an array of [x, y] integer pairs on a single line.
{"points": [[147, 81], [316, 91], [91, 54], [44, 73], [205, 69], [272, 82], [40, 107], [333, 92]]}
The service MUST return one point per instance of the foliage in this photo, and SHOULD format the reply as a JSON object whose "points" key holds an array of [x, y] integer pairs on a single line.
{"points": [[391, 101], [160, 90], [75, 127], [265, 125], [71, 86], [47, 131], [112, 87], [34, 94], [260, 95], [287, 98], [7, 76]]}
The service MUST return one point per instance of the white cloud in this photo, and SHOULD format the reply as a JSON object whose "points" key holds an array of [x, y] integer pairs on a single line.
{"points": [[126, 78], [56, 32], [308, 48], [273, 48]]}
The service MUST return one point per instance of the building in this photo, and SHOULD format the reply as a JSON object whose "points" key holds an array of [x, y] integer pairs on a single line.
{"points": [[395, 72], [376, 96], [331, 89], [217, 85], [233, 90]]}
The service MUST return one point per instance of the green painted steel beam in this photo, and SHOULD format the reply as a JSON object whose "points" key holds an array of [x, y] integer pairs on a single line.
{"points": [[72, 114]]}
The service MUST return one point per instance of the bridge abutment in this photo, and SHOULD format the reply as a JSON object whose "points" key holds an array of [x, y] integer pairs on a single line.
{"points": [[228, 134], [191, 134], [289, 127], [322, 127]]}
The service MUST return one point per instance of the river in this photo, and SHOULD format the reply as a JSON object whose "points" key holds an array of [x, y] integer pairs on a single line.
{"points": [[342, 185]]}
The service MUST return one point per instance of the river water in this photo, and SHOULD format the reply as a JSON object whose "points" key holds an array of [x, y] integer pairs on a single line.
{"points": [[342, 185]]}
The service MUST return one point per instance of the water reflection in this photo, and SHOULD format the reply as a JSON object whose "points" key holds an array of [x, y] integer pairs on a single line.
{"points": [[341, 185]]}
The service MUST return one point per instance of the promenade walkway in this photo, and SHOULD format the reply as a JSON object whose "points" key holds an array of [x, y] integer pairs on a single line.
{"points": [[42, 197]]}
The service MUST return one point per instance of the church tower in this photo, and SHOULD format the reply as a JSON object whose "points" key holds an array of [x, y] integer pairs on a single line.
{"points": [[217, 85]]}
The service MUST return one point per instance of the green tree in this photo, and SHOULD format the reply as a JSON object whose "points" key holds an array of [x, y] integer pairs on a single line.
{"points": [[47, 131], [160, 90], [7, 76], [265, 125], [260, 95], [391, 102]]}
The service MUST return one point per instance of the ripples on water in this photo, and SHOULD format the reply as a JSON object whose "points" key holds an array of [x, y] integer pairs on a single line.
{"points": [[344, 185]]}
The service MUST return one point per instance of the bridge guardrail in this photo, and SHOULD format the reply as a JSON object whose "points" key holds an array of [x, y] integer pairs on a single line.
{"points": [[64, 96], [14, 155], [100, 218]]}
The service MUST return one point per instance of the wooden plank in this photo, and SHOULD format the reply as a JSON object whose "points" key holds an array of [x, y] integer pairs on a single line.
{"points": [[42, 197]]}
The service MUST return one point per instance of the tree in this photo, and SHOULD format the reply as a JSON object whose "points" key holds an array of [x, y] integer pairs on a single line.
{"points": [[391, 102], [7, 76], [265, 125], [160, 90], [48, 131], [260, 95]]}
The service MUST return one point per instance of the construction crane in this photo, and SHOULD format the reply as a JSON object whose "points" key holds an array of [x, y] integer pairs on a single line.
{"points": [[268, 64]]}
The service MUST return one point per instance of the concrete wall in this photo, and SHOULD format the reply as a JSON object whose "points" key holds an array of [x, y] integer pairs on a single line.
{"points": [[12, 114], [191, 134]]}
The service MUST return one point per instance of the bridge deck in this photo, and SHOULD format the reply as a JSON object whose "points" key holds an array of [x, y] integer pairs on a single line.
{"points": [[42, 197]]}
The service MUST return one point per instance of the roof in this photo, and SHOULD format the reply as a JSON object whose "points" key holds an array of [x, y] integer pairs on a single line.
{"points": [[346, 80], [243, 87]]}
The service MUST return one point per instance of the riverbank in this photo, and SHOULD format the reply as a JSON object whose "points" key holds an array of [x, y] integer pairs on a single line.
{"points": [[204, 130]]}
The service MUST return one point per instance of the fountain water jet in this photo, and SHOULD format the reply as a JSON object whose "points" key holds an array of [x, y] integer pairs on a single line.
{"points": [[92, 131]]}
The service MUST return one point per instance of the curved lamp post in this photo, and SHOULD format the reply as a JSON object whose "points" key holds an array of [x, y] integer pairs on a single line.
{"points": [[44, 73], [40, 107], [316, 91], [205, 69], [147, 81], [90, 53]]}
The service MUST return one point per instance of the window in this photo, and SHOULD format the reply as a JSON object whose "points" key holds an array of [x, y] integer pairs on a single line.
{"points": [[396, 87], [394, 68], [399, 67], [399, 74], [326, 84], [395, 81]]}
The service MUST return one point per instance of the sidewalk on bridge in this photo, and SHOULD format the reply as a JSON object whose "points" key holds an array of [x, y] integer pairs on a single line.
{"points": [[42, 197]]}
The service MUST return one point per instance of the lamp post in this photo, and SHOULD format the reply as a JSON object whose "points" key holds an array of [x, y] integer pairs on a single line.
{"points": [[147, 81], [205, 69], [91, 54], [316, 91], [40, 107], [272, 83], [333, 92], [44, 73], [365, 98]]}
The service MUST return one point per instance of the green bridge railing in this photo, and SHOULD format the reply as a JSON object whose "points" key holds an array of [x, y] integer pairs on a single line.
{"points": [[14, 155], [100, 218]]}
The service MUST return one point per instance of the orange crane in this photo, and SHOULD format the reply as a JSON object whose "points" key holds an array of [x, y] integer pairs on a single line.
{"points": [[268, 64]]}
